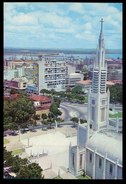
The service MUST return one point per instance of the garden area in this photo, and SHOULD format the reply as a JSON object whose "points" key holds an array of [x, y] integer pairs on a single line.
{"points": [[84, 177], [6, 141], [119, 115]]}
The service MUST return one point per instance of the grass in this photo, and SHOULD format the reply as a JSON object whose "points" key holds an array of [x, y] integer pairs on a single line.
{"points": [[119, 114], [14, 152], [57, 177], [83, 177], [6, 141], [85, 100]]}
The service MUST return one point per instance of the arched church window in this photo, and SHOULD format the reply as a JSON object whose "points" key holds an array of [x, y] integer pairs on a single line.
{"points": [[81, 161], [73, 160], [100, 162], [90, 158], [111, 169]]}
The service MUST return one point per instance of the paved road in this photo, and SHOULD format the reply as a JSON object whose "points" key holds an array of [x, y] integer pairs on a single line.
{"points": [[72, 109]]}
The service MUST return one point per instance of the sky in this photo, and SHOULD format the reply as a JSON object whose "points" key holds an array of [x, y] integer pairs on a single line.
{"points": [[61, 25]]}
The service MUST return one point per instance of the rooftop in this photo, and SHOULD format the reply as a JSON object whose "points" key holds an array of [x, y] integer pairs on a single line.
{"points": [[85, 82], [15, 95], [40, 98], [109, 141], [21, 60]]}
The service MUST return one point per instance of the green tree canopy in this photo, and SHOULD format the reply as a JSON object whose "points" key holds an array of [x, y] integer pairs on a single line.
{"points": [[77, 89], [20, 109], [54, 109], [115, 93], [7, 120], [30, 171], [13, 126], [44, 116]]}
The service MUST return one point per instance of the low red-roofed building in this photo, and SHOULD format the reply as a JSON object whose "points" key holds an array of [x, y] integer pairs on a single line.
{"points": [[41, 104], [14, 95]]}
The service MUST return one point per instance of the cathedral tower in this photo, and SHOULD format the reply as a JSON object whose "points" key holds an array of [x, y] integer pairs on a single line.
{"points": [[98, 104]]}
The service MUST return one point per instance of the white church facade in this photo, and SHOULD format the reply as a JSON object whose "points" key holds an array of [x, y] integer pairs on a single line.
{"points": [[99, 146]]}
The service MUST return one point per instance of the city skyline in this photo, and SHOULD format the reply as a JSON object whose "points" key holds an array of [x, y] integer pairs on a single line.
{"points": [[61, 25]]}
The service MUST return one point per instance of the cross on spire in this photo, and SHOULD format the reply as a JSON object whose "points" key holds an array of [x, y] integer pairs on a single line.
{"points": [[101, 23]]}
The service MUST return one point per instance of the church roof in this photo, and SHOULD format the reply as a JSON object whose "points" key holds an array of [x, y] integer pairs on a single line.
{"points": [[107, 141]]}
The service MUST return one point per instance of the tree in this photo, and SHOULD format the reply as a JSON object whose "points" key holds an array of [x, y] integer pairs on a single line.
{"points": [[5, 127], [59, 120], [77, 89], [20, 109], [43, 91], [57, 101], [85, 76], [84, 172], [13, 126], [36, 117], [68, 90], [13, 91], [17, 163], [33, 123], [7, 120], [54, 109], [34, 170], [115, 93], [75, 120], [7, 156], [44, 116], [50, 119], [83, 121], [69, 96], [81, 98], [23, 172], [23, 125]]}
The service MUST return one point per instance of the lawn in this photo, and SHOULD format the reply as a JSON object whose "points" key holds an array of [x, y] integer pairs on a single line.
{"points": [[6, 141], [85, 100], [17, 151], [119, 114], [83, 177], [57, 177]]}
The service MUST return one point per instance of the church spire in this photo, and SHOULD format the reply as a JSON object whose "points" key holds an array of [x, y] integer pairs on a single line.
{"points": [[101, 38]]}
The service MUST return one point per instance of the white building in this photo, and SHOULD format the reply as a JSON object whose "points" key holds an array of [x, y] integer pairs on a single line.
{"points": [[99, 147], [49, 74]]}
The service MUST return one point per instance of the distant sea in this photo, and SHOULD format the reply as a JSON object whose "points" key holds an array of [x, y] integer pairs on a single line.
{"points": [[65, 56]]}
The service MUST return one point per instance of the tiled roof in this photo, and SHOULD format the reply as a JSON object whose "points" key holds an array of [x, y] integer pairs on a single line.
{"points": [[14, 96], [85, 82], [40, 98]]}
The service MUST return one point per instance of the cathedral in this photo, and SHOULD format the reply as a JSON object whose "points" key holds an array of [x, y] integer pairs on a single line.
{"points": [[99, 145]]}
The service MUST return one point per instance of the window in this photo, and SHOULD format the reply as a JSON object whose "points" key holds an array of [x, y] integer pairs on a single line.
{"points": [[73, 159], [93, 113], [103, 114], [100, 162], [111, 169], [93, 101], [90, 126], [103, 102], [81, 161], [90, 159]]}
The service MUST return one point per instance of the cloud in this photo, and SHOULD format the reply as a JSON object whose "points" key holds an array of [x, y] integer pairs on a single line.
{"points": [[52, 18], [77, 24], [77, 7], [88, 26], [22, 19]]}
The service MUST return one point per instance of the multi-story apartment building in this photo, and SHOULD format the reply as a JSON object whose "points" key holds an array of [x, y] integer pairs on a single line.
{"points": [[49, 74], [16, 83]]}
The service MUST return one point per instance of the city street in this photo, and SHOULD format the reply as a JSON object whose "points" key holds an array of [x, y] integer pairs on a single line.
{"points": [[70, 110]]}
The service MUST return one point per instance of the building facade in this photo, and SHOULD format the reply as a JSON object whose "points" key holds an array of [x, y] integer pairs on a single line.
{"points": [[41, 104], [99, 147]]}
